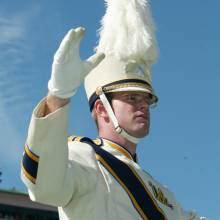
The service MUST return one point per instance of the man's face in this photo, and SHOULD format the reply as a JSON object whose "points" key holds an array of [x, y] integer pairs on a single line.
{"points": [[132, 112]]}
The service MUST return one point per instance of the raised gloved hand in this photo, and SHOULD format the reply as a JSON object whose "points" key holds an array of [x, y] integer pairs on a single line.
{"points": [[68, 70]]}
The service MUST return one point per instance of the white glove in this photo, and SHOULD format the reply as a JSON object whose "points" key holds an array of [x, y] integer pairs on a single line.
{"points": [[68, 70]]}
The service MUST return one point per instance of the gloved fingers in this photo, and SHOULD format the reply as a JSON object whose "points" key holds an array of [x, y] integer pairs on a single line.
{"points": [[71, 39], [64, 46], [75, 40], [79, 33], [93, 61]]}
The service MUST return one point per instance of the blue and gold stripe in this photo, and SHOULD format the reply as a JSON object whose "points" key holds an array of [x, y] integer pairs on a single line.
{"points": [[128, 178], [120, 149], [30, 164]]}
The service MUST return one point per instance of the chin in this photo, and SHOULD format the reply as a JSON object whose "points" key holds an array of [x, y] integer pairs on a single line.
{"points": [[140, 133]]}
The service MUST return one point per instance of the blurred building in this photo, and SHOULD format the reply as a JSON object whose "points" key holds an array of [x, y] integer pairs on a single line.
{"points": [[17, 206]]}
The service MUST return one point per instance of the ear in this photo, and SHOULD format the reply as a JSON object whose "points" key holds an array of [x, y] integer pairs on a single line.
{"points": [[100, 110]]}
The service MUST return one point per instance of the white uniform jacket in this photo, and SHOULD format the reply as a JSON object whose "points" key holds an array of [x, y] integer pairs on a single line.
{"points": [[68, 175]]}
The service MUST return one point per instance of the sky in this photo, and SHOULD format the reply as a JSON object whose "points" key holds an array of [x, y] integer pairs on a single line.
{"points": [[183, 148]]}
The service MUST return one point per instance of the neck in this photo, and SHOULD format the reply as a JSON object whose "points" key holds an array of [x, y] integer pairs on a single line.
{"points": [[115, 137]]}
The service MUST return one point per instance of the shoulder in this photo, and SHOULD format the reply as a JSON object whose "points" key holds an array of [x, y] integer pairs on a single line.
{"points": [[85, 140], [81, 149]]}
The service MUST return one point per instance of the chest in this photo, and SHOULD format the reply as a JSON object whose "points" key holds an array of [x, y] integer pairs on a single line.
{"points": [[155, 200]]}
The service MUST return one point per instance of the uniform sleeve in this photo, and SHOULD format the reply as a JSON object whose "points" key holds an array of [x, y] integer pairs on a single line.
{"points": [[46, 170]]}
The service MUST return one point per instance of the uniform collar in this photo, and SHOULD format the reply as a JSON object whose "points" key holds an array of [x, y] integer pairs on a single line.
{"points": [[120, 149]]}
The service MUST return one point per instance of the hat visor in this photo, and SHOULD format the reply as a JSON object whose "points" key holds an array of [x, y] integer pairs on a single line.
{"points": [[131, 89]]}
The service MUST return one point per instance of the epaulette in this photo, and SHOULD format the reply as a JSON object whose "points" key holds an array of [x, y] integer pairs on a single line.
{"points": [[74, 138], [97, 141]]}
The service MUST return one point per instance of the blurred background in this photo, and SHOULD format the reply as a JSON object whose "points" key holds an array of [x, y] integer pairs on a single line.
{"points": [[183, 148]]}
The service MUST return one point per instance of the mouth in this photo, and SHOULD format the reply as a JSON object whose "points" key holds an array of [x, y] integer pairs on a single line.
{"points": [[141, 118], [141, 115]]}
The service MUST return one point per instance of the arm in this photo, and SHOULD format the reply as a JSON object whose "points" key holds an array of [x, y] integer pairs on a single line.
{"points": [[53, 103], [45, 166], [46, 169]]}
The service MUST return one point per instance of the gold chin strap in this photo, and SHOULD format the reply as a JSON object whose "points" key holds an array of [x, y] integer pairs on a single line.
{"points": [[111, 114]]}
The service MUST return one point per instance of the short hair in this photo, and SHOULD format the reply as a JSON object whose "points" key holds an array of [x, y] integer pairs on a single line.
{"points": [[109, 96], [94, 116]]}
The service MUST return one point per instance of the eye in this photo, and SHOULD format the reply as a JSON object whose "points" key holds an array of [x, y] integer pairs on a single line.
{"points": [[131, 98]]}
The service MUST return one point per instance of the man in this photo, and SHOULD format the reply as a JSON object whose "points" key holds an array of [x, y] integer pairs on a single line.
{"points": [[100, 179]]}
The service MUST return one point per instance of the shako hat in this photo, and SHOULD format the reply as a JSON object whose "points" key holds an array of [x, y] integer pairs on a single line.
{"points": [[127, 38]]}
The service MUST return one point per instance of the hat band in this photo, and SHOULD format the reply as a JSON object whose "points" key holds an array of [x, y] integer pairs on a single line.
{"points": [[117, 85], [126, 83]]}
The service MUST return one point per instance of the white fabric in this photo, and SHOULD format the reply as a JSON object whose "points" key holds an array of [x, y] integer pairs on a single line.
{"points": [[112, 116], [68, 70], [70, 177], [132, 89], [127, 38], [128, 31], [111, 70]]}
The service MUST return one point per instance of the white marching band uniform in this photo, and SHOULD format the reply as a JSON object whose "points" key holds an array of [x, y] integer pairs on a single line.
{"points": [[98, 180], [69, 176]]}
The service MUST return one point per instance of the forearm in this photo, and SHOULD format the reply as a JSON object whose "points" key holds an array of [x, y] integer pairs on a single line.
{"points": [[47, 153], [52, 103]]}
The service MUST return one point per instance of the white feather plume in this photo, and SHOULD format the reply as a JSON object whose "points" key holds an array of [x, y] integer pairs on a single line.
{"points": [[127, 31]]}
